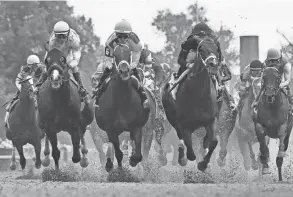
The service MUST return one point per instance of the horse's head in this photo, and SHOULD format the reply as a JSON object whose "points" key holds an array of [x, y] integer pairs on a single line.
{"points": [[207, 55], [122, 59], [27, 87], [57, 68], [271, 80]]}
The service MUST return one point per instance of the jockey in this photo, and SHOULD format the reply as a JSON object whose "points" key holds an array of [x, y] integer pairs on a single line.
{"points": [[249, 73], [122, 34], [202, 29], [68, 41], [275, 59], [32, 68]]}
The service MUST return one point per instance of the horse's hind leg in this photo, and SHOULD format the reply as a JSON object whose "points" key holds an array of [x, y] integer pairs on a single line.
{"points": [[46, 160], [55, 151], [264, 150], [37, 147], [213, 142], [136, 136]]}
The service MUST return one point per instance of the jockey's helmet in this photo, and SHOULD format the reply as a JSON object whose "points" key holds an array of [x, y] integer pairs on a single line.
{"points": [[61, 27], [202, 29], [273, 54], [255, 68], [101, 67], [123, 27], [33, 59]]}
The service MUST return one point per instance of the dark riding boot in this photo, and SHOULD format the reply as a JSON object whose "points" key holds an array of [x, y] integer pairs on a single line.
{"points": [[180, 71], [140, 89], [9, 106], [82, 90], [42, 79], [102, 85]]}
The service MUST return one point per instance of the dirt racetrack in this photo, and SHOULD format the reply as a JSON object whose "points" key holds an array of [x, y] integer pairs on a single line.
{"points": [[9, 187]]}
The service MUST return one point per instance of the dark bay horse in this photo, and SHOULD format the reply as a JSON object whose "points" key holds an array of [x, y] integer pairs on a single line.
{"points": [[196, 103], [272, 118], [121, 109], [23, 126], [59, 108]]}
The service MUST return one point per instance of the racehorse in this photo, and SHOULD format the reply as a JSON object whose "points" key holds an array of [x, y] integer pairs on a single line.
{"points": [[244, 128], [272, 118], [121, 109], [22, 124], [59, 106], [196, 103]]}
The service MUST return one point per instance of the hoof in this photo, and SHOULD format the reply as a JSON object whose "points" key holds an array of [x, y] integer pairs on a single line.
{"points": [[76, 159], [221, 162], [84, 162], [134, 160], [254, 165], [181, 157], [266, 171], [38, 165], [281, 154], [12, 166], [202, 166], [162, 159], [109, 165], [46, 161]]}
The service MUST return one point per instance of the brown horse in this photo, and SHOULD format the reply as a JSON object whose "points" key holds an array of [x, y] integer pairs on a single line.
{"points": [[196, 103], [23, 126], [272, 118], [59, 108], [121, 109]]}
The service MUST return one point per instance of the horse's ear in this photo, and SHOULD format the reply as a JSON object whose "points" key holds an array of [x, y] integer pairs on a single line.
{"points": [[46, 46]]}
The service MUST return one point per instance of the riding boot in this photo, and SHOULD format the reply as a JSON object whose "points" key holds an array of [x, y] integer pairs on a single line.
{"points": [[82, 90], [8, 107], [41, 80], [140, 89], [102, 85], [180, 71]]}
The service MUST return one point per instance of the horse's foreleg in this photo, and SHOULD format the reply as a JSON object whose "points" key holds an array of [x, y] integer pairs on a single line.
{"points": [[264, 150], [147, 143], [136, 136], [160, 134], [84, 160], [254, 163], [213, 142], [13, 161], [114, 139], [37, 147], [55, 151], [187, 137], [21, 155], [75, 138], [279, 160], [46, 160], [99, 145], [282, 135], [110, 157]]}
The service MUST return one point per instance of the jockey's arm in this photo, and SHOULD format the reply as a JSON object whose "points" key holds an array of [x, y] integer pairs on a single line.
{"points": [[18, 79], [74, 60], [287, 75]]}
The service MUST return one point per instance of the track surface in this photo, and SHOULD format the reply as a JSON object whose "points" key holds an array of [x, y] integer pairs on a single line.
{"points": [[11, 187]]}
